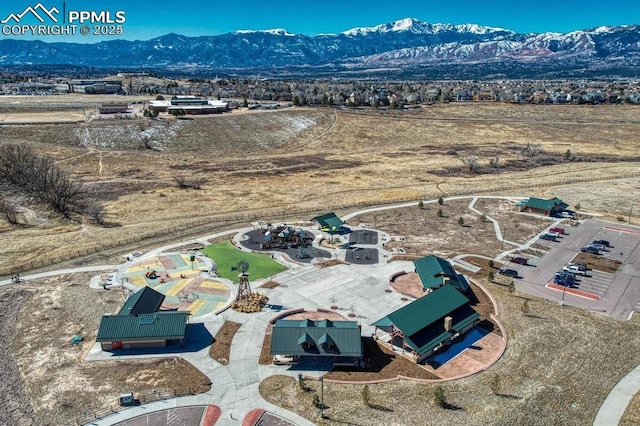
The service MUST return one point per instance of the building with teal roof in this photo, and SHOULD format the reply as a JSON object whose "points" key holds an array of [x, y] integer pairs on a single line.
{"points": [[427, 324], [338, 341]]}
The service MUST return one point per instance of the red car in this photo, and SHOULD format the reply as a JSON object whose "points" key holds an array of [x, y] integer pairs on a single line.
{"points": [[557, 229]]}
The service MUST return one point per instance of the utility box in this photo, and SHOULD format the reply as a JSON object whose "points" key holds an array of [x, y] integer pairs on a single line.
{"points": [[126, 399]]}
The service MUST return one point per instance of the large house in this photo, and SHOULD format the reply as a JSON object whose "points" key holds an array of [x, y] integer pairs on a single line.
{"points": [[189, 105], [140, 324], [338, 341], [424, 326]]}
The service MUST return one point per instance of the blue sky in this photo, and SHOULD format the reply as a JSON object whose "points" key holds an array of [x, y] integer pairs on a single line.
{"points": [[148, 19]]}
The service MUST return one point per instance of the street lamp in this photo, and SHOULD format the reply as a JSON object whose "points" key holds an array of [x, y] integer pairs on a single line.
{"points": [[322, 397]]}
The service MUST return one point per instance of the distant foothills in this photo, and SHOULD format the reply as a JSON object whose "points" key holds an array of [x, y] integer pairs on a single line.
{"points": [[404, 49]]}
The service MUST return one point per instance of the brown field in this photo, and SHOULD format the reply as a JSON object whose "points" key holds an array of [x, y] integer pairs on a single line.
{"points": [[46, 372], [289, 163]]}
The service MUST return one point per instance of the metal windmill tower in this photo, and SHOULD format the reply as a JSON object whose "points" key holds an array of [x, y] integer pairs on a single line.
{"points": [[244, 290]]}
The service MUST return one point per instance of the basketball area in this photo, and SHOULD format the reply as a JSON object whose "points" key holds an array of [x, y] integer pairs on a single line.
{"points": [[186, 284]]}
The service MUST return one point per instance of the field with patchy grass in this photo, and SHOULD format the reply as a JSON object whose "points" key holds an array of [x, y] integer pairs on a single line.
{"points": [[288, 163], [46, 381]]}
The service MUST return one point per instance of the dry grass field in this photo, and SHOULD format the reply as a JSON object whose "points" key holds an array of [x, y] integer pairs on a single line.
{"points": [[293, 160], [560, 362], [46, 381]]}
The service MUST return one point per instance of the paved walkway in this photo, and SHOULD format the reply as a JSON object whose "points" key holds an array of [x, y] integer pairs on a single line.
{"points": [[618, 399], [235, 386]]}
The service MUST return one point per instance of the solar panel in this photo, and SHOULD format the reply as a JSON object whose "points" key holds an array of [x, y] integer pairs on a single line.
{"points": [[146, 320]]}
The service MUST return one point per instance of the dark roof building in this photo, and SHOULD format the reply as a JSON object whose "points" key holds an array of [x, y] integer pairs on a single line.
{"points": [[145, 301], [141, 325], [548, 207], [329, 222], [338, 340], [141, 331], [435, 272], [432, 321]]}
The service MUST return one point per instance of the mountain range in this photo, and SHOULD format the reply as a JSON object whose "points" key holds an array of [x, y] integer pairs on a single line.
{"points": [[407, 46]]}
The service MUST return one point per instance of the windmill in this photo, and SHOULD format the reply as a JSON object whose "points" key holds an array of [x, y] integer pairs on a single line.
{"points": [[244, 290]]}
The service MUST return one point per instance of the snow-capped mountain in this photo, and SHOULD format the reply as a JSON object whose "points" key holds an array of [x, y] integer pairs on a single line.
{"points": [[402, 44]]}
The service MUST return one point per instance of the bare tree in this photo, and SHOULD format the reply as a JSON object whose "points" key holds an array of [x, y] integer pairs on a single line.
{"points": [[471, 163], [97, 212], [40, 179], [532, 150]]}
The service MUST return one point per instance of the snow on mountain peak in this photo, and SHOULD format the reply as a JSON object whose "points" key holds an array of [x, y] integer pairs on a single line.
{"points": [[273, 31], [419, 27]]}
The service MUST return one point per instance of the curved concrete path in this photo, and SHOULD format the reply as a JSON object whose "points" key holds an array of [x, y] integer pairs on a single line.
{"points": [[616, 403], [235, 386]]}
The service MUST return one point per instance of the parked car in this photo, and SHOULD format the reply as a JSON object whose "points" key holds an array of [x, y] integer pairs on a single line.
{"points": [[519, 259], [598, 246], [563, 282], [574, 270], [565, 274], [557, 229], [568, 215], [602, 242], [547, 237], [508, 272], [553, 234], [590, 250], [581, 265]]}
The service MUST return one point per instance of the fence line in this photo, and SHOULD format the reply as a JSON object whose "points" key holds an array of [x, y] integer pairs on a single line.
{"points": [[91, 415], [288, 212]]}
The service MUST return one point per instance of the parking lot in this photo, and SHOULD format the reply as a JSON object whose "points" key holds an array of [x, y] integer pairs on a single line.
{"points": [[614, 293]]}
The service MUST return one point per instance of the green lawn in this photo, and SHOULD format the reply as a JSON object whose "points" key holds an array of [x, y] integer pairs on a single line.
{"points": [[226, 256]]}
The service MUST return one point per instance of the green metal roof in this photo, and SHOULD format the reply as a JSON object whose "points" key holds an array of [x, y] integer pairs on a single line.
{"points": [[323, 338], [330, 221], [433, 270], [422, 321], [156, 326], [145, 301], [428, 309], [544, 204]]}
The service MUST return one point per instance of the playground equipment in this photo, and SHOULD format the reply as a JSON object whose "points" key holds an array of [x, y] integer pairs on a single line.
{"points": [[285, 237]]}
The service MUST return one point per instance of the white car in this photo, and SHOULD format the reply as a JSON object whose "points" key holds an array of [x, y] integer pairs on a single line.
{"points": [[567, 215], [553, 234], [575, 270]]}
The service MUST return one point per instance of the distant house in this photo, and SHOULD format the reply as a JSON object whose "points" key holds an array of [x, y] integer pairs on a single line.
{"points": [[547, 207], [140, 324], [424, 326], [435, 272], [190, 105], [114, 108], [339, 341]]}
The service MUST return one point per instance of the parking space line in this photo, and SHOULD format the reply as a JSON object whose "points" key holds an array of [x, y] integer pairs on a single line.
{"points": [[626, 231], [573, 291]]}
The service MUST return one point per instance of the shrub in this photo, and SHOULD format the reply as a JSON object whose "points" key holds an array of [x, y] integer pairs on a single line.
{"points": [[577, 206], [495, 385], [440, 200], [440, 214], [490, 276], [420, 204], [366, 395], [461, 221]]}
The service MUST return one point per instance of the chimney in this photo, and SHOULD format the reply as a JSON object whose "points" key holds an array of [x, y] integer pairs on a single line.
{"points": [[448, 322]]}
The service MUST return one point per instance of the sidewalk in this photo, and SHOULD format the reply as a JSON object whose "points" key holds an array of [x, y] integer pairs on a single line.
{"points": [[618, 399]]}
